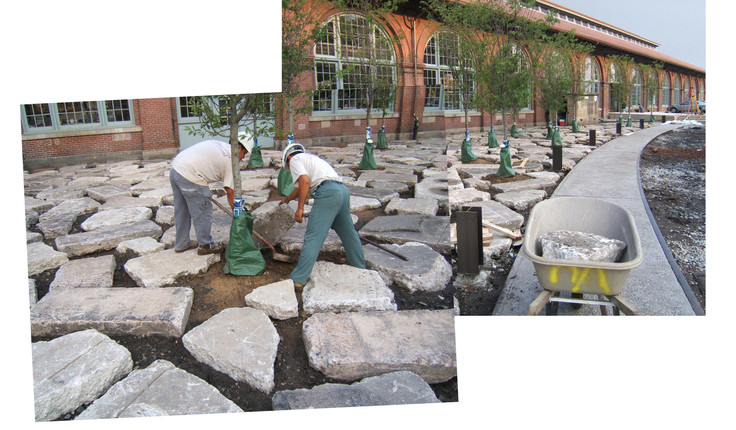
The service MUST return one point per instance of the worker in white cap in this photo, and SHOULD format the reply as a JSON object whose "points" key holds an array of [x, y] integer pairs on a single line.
{"points": [[191, 172], [331, 209]]}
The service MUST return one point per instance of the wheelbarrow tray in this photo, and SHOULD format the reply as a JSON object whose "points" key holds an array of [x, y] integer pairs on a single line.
{"points": [[586, 215]]}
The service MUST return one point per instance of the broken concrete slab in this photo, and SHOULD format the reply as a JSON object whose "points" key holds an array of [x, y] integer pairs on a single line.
{"points": [[240, 342], [221, 223], [165, 215], [398, 229], [358, 203], [422, 205], [37, 205], [105, 192], [55, 226], [341, 288], [377, 175], [125, 202], [161, 389], [93, 272], [42, 257], [465, 196], [527, 184], [426, 270], [139, 246], [354, 345], [396, 388], [106, 238], [278, 300], [580, 246], [272, 220], [75, 369], [116, 217], [165, 267], [113, 311], [391, 187], [496, 213], [378, 193], [520, 200]]}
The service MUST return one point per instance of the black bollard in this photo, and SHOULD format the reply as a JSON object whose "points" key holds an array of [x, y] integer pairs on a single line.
{"points": [[469, 239], [556, 158], [641, 123], [618, 128], [591, 138], [664, 119]]}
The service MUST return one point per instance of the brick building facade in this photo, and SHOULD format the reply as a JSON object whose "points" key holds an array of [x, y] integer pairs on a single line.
{"points": [[66, 133]]}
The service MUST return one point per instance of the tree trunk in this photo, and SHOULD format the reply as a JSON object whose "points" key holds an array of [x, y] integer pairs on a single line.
{"points": [[234, 154]]}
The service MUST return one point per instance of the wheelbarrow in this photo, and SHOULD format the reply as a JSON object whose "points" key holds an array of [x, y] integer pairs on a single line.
{"points": [[604, 279]]}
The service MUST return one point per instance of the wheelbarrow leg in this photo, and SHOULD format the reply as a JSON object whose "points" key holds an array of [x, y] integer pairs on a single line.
{"points": [[552, 307]]}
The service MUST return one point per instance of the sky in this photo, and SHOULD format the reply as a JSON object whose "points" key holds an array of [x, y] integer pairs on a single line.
{"points": [[678, 26]]}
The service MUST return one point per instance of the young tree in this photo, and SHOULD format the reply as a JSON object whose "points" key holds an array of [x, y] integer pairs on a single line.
{"points": [[620, 81], [299, 30], [226, 115]]}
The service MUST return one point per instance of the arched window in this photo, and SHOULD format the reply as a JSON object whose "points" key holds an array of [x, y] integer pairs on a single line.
{"points": [[354, 62], [617, 97], [665, 89], [444, 75], [525, 63], [676, 94], [652, 89], [635, 100], [591, 77], [686, 90]]}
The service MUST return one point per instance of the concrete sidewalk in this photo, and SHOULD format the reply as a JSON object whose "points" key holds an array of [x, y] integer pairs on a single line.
{"points": [[611, 173]]}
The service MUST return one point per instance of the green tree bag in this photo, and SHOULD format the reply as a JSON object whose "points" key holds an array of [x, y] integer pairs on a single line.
{"points": [[242, 256]]}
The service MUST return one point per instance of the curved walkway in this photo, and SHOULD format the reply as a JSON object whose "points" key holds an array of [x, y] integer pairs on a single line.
{"points": [[611, 173]]}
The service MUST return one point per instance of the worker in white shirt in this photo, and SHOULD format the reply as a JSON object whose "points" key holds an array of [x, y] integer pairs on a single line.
{"points": [[331, 209]]}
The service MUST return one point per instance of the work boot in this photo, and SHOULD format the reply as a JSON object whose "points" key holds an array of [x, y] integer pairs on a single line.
{"points": [[192, 245], [208, 249]]}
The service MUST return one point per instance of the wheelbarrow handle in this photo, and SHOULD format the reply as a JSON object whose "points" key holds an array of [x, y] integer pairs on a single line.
{"points": [[379, 246]]}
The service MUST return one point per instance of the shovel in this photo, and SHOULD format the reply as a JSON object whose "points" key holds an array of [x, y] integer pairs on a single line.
{"points": [[275, 255]]}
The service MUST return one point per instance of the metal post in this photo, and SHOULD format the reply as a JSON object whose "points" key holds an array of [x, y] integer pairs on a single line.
{"points": [[591, 138], [618, 128], [469, 239], [556, 158], [641, 123]]}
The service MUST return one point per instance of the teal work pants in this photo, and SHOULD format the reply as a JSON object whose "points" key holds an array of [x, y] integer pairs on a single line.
{"points": [[331, 210]]}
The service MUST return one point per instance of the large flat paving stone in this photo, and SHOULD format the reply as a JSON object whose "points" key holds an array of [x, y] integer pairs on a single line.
{"points": [[240, 342], [499, 214], [271, 220], [116, 217], [161, 389], [426, 270], [278, 300], [113, 311], [341, 288], [93, 272], [42, 257], [221, 223], [163, 268], [354, 345], [399, 229], [527, 184], [377, 175], [466, 196], [423, 206], [380, 194], [75, 369], [521, 200], [106, 238], [396, 388], [105, 192]]}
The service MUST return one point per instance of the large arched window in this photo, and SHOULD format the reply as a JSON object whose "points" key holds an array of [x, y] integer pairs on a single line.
{"points": [[444, 75], [524, 64], [591, 77], [676, 94], [686, 90], [665, 89], [354, 62], [635, 99], [652, 89], [617, 98]]}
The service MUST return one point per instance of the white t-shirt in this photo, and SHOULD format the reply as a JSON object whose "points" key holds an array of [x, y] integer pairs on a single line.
{"points": [[317, 169], [205, 162]]}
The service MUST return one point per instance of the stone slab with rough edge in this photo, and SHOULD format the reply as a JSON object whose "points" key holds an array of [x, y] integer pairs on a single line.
{"points": [[37, 205], [104, 239], [341, 288], [422, 205], [240, 342], [426, 270], [105, 192], [220, 231], [466, 196], [550, 176], [392, 187], [278, 300], [121, 202], [527, 184], [75, 369], [58, 225], [398, 229], [116, 217], [395, 388], [161, 193], [42, 257], [92, 272], [380, 194], [78, 207], [496, 248], [478, 184], [454, 181], [139, 246], [354, 345], [271, 220], [165, 267], [475, 170], [434, 186], [84, 182], [520, 200], [153, 183], [293, 240], [253, 184], [32, 237], [165, 215], [161, 389], [358, 203], [113, 311], [377, 175], [499, 214], [32, 292]]}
